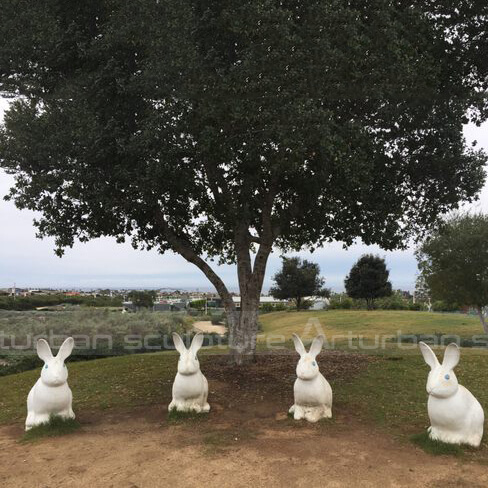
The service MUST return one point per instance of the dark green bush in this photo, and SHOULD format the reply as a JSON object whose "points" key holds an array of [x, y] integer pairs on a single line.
{"points": [[341, 302], [198, 304], [438, 338], [272, 307], [217, 319], [442, 306], [34, 301]]}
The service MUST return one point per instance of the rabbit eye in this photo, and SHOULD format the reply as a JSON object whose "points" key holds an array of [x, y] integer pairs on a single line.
{"points": [[314, 363], [45, 367], [447, 376]]}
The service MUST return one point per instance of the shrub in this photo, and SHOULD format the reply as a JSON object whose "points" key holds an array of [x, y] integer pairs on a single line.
{"points": [[35, 301], [272, 307], [198, 304], [101, 328], [340, 302], [438, 338], [394, 302], [217, 319], [442, 306]]}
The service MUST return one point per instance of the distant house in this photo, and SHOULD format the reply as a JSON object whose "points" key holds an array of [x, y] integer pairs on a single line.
{"points": [[262, 301], [318, 303], [170, 306]]}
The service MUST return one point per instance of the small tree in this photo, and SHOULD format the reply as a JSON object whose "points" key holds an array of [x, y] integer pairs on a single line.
{"points": [[368, 279], [453, 261], [298, 279], [142, 298], [422, 293]]}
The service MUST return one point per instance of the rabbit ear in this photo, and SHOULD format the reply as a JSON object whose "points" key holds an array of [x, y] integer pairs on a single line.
{"points": [[66, 348], [179, 344], [43, 350], [316, 346], [299, 347], [197, 342], [451, 356], [429, 356]]}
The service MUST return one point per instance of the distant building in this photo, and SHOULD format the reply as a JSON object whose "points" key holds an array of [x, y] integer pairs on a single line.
{"points": [[318, 303], [262, 301], [170, 306]]}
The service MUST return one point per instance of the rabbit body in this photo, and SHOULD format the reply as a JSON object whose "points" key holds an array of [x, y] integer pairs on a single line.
{"points": [[51, 394], [313, 399], [312, 392], [458, 419], [44, 401], [456, 416], [190, 393]]}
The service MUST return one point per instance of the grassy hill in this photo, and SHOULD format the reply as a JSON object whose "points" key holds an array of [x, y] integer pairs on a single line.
{"points": [[369, 323], [389, 391]]}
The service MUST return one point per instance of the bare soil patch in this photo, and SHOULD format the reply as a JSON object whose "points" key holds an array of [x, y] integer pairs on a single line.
{"points": [[246, 440], [207, 327]]}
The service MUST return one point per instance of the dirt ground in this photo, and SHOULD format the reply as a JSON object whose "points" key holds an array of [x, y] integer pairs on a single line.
{"points": [[207, 327], [246, 440]]}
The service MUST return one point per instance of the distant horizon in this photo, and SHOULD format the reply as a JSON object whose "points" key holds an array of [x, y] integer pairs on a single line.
{"points": [[125, 288]]}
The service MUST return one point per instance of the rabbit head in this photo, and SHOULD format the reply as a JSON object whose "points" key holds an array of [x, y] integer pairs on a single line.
{"points": [[442, 382], [188, 363], [307, 367], [54, 371]]}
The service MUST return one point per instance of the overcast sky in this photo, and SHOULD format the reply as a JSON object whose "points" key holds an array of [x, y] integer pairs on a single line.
{"points": [[30, 262]]}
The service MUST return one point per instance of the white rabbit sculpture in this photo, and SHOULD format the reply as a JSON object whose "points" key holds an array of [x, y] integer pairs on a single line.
{"points": [[313, 394], [456, 416], [51, 394], [190, 388]]}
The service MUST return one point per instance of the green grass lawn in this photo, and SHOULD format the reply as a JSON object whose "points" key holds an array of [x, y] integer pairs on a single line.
{"points": [[367, 324], [100, 384], [390, 393]]}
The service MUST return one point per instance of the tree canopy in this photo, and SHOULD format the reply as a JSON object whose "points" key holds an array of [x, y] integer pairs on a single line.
{"points": [[368, 279], [220, 130], [298, 279], [142, 298], [453, 260]]}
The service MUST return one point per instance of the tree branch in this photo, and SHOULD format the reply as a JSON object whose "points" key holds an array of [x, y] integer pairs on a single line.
{"points": [[183, 247]]}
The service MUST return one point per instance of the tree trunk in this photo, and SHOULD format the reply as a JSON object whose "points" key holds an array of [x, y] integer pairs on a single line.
{"points": [[244, 330], [242, 324], [479, 309]]}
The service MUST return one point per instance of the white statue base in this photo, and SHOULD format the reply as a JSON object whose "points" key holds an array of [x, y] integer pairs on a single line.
{"points": [[198, 406], [312, 414]]}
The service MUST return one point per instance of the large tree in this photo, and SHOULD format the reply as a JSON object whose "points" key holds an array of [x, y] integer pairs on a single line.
{"points": [[220, 130], [453, 261], [298, 279], [368, 280]]}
